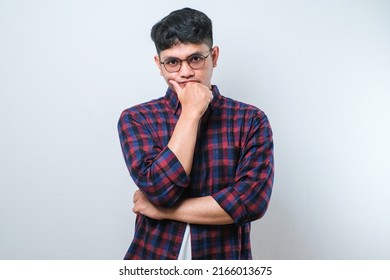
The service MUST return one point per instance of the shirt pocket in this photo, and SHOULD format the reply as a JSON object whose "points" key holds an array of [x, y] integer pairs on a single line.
{"points": [[219, 166]]}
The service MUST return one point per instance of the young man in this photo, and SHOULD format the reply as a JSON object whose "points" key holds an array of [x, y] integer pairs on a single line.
{"points": [[203, 163]]}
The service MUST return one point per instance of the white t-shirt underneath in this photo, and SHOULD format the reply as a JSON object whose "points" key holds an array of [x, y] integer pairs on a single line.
{"points": [[185, 249]]}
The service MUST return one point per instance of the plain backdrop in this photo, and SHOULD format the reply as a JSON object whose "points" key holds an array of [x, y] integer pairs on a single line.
{"points": [[319, 69]]}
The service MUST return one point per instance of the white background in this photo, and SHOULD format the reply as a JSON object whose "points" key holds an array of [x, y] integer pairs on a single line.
{"points": [[319, 69]]}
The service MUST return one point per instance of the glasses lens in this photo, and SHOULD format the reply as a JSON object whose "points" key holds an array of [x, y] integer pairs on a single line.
{"points": [[172, 65], [196, 61]]}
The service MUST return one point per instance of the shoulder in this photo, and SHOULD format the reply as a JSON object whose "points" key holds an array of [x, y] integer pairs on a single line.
{"points": [[242, 109], [143, 110]]}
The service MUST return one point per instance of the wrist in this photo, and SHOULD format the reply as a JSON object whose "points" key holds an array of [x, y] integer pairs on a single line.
{"points": [[190, 116], [166, 213]]}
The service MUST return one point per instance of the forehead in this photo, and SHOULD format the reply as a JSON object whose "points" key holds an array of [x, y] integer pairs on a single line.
{"points": [[183, 50]]}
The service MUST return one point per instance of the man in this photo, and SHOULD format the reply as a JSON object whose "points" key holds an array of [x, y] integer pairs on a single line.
{"points": [[203, 163]]}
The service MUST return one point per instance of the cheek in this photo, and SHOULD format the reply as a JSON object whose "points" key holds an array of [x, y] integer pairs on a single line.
{"points": [[168, 76], [207, 75]]}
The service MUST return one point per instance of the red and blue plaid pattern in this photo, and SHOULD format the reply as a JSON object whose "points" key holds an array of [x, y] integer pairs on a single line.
{"points": [[233, 162]]}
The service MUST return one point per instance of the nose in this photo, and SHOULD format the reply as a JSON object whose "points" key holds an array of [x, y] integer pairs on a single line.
{"points": [[185, 70]]}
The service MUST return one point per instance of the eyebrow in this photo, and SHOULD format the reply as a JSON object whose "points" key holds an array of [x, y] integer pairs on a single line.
{"points": [[174, 57]]}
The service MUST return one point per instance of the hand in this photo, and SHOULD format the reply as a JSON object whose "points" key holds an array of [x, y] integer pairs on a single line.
{"points": [[194, 98], [143, 206]]}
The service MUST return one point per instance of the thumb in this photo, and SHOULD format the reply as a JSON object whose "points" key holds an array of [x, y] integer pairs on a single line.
{"points": [[137, 195], [176, 87]]}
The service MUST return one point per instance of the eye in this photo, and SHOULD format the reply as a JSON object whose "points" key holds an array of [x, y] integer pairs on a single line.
{"points": [[172, 62], [195, 59]]}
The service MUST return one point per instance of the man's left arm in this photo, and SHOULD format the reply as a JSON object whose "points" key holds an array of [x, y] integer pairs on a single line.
{"points": [[200, 210], [248, 198]]}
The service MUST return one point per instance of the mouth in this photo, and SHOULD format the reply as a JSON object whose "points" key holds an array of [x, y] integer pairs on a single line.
{"points": [[184, 83]]}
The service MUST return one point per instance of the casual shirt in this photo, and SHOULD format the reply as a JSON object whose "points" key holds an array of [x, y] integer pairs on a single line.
{"points": [[233, 163]]}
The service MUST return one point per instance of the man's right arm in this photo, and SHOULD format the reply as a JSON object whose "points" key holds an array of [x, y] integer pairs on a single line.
{"points": [[154, 169], [162, 173], [194, 100]]}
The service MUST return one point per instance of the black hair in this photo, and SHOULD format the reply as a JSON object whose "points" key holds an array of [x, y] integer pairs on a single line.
{"points": [[182, 26]]}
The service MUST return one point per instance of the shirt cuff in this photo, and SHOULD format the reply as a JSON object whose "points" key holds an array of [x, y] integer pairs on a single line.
{"points": [[230, 201], [172, 168]]}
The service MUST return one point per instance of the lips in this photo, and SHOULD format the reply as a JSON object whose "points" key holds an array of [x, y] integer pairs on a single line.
{"points": [[184, 83]]}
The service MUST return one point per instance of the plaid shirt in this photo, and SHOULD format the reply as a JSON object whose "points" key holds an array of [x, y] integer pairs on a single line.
{"points": [[233, 162]]}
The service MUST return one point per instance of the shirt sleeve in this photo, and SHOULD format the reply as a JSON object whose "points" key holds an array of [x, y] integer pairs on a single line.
{"points": [[248, 198], [154, 169]]}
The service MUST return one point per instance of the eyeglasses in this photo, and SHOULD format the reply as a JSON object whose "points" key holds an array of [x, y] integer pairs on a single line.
{"points": [[195, 61]]}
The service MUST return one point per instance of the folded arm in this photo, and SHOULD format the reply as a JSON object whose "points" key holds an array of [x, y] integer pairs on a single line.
{"points": [[244, 201], [200, 210]]}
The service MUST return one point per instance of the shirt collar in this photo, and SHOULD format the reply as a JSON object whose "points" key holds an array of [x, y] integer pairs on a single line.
{"points": [[173, 102]]}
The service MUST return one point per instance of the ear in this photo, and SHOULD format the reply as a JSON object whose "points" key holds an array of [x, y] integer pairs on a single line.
{"points": [[157, 61], [215, 55]]}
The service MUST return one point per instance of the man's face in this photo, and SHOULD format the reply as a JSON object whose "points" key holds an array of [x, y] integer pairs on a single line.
{"points": [[186, 73]]}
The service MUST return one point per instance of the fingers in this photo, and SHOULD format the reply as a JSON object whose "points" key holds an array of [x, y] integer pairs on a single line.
{"points": [[178, 89], [176, 86], [136, 196], [143, 206], [194, 97]]}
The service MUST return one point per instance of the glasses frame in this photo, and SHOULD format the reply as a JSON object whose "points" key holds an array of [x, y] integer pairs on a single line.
{"points": [[187, 59]]}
